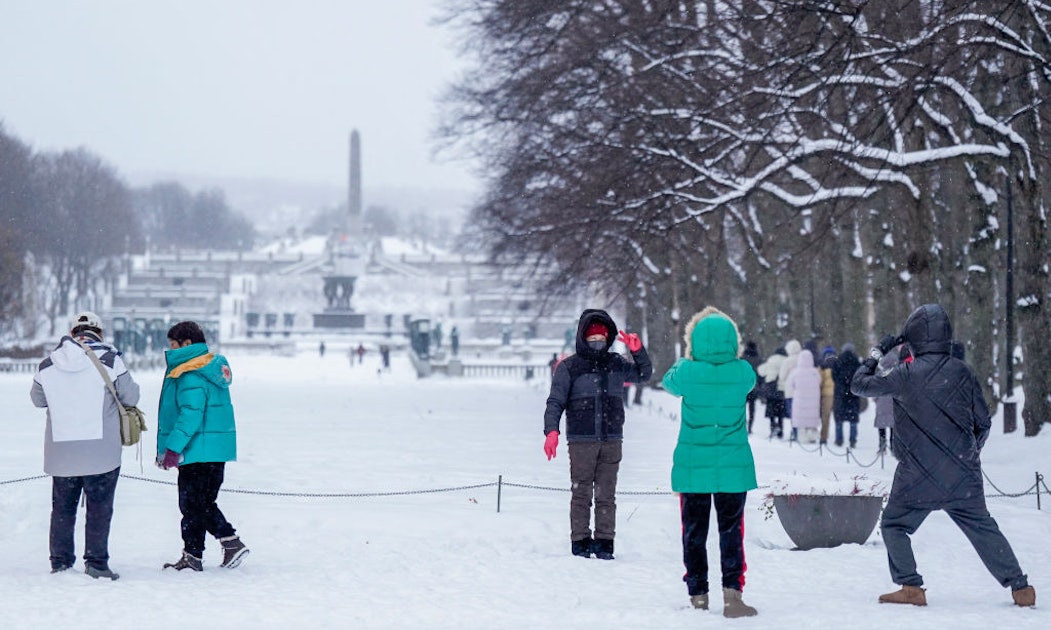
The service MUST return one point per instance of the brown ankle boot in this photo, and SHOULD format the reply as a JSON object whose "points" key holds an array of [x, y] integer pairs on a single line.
{"points": [[699, 601], [733, 606], [1024, 596], [907, 595]]}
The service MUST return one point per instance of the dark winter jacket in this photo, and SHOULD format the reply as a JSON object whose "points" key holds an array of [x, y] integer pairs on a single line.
{"points": [[941, 420], [751, 354], [589, 386], [845, 404]]}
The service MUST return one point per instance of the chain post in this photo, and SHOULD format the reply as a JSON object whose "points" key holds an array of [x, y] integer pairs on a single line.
{"points": [[1038, 480], [499, 491]]}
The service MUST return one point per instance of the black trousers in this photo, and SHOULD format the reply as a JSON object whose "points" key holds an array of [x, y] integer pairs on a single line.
{"points": [[729, 515], [65, 494], [198, 488]]}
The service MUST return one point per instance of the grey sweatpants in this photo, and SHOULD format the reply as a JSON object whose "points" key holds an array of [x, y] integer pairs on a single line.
{"points": [[593, 468], [899, 522]]}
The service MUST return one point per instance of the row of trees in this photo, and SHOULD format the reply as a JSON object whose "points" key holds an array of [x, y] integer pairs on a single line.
{"points": [[67, 217], [816, 168]]}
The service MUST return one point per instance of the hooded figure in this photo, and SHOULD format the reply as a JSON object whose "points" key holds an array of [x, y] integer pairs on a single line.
{"points": [[805, 383], [941, 423], [196, 434], [82, 446], [589, 388], [846, 406], [713, 461]]}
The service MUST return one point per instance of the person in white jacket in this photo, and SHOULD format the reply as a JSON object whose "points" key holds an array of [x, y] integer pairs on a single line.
{"points": [[769, 371], [82, 446], [805, 383], [792, 347]]}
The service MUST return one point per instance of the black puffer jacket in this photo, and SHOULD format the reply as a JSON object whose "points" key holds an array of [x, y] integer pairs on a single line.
{"points": [[845, 404], [589, 386], [941, 420]]}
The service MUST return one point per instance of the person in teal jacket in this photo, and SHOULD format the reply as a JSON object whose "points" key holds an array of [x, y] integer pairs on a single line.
{"points": [[197, 435], [713, 461]]}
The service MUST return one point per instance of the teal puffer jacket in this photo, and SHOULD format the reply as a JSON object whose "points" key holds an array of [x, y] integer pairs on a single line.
{"points": [[712, 453], [195, 417]]}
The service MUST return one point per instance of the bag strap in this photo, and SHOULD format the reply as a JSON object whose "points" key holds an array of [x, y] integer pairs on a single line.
{"points": [[109, 383]]}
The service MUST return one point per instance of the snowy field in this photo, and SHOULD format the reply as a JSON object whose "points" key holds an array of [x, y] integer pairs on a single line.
{"points": [[449, 559]]}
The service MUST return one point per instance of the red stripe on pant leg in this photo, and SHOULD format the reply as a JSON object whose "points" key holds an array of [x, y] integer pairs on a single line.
{"points": [[744, 565], [682, 524]]}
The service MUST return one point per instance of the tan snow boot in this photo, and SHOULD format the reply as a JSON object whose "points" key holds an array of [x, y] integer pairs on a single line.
{"points": [[699, 601], [1024, 596], [907, 595], [734, 607]]}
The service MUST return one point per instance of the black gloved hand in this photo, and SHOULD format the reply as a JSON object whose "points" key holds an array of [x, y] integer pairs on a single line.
{"points": [[887, 343], [870, 363]]}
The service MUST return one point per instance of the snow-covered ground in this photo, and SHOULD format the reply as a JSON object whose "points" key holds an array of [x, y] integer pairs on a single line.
{"points": [[449, 559]]}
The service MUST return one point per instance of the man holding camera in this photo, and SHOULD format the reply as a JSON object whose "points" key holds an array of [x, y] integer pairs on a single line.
{"points": [[941, 422]]}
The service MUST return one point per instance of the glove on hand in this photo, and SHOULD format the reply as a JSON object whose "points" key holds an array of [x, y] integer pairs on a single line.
{"points": [[870, 363], [550, 444], [888, 342], [883, 347], [630, 340], [171, 459]]}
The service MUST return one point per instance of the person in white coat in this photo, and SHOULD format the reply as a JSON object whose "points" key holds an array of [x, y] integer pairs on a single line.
{"points": [[82, 446], [805, 384], [787, 367], [769, 371]]}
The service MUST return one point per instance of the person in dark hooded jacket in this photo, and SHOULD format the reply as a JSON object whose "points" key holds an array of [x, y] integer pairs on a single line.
{"points": [[589, 387], [941, 422], [846, 406]]}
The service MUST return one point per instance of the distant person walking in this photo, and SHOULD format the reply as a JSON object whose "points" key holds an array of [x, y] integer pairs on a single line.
{"points": [[751, 355], [792, 348], [846, 406], [588, 387], [828, 390], [713, 461], [769, 371], [941, 423], [196, 434], [805, 384], [82, 445], [361, 353]]}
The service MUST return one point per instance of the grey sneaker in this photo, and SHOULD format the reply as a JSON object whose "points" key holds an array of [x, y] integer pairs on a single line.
{"points": [[234, 552], [97, 573], [187, 561]]}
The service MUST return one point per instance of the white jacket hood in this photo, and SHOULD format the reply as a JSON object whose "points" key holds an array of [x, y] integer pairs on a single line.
{"points": [[69, 356]]}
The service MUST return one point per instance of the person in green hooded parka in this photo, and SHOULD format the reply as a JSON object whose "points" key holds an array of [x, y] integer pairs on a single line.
{"points": [[713, 461], [196, 434]]}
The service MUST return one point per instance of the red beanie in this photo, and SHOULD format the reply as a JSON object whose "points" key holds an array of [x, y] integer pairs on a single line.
{"points": [[596, 328]]}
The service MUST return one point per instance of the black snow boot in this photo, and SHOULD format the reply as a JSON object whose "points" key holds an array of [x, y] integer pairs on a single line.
{"points": [[582, 547], [187, 561], [603, 548], [234, 552]]}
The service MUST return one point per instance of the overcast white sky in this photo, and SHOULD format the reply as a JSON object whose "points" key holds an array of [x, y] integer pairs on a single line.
{"points": [[232, 88]]}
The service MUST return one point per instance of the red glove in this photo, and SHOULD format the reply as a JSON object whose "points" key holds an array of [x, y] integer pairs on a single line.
{"points": [[171, 459], [550, 444], [631, 340]]}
